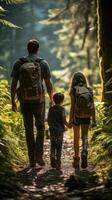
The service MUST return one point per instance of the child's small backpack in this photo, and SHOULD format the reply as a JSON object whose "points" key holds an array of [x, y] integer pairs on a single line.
{"points": [[30, 80], [84, 104]]}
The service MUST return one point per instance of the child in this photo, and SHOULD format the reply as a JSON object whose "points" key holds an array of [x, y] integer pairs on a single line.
{"points": [[56, 122], [81, 112]]}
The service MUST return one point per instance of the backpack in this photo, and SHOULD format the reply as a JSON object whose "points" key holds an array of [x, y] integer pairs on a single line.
{"points": [[30, 80], [84, 104]]}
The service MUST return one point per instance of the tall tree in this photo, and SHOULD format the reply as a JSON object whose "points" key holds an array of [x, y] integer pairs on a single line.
{"points": [[105, 47], [76, 33]]}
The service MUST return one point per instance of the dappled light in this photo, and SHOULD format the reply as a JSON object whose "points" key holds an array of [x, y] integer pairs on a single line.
{"points": [[55, 100]]}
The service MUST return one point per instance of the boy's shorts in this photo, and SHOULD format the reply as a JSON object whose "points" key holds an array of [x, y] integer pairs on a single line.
{"points": [[56, 133], [78, 121]]}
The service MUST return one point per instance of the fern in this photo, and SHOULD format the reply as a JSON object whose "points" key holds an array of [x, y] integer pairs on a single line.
{"points": [[2, 10], [7, 23]]}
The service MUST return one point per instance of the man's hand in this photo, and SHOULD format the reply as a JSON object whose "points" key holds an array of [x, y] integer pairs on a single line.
{"points": [[14, 106], [51, 103]]}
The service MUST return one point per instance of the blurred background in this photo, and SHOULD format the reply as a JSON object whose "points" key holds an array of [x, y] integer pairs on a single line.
{"points": [[66, 32]]}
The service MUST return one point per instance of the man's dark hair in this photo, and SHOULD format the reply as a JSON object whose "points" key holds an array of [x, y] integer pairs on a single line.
{"points": [[33, 46], [58, 98]]}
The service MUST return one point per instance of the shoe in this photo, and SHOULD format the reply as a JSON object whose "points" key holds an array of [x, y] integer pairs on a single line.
{"points": [[84, 155], [32, 165], [58, 165], [40, 161], [76, 161], [53, 162]]}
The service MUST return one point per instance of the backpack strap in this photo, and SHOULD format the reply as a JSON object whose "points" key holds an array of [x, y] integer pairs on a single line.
{"points": [[25, 60]]}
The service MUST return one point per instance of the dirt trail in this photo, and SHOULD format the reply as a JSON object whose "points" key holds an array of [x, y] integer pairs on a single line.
{"points": [[45, 183]]}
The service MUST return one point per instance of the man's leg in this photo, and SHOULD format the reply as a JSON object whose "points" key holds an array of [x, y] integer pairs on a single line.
{"points": [[28, 123], [39, 114]]}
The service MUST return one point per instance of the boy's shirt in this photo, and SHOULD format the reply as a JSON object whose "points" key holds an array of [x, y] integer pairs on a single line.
{"points": [[56, 116]]}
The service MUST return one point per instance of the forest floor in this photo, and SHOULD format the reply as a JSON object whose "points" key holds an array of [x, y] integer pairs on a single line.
{"points": [[46, 183]]}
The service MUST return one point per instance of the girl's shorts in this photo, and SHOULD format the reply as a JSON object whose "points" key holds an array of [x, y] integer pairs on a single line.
{"points": [[77, 121]]}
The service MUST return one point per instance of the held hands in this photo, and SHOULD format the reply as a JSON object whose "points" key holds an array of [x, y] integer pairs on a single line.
{"points": [[70, 125]]}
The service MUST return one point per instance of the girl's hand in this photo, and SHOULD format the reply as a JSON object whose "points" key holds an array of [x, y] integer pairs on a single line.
{"points": [[70, 125]]}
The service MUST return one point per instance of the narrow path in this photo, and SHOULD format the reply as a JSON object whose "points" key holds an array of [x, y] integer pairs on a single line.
{"points": [[45, 183]]}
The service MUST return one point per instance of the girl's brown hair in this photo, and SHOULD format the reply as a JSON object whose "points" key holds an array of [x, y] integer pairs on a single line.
{"points": [[78, 78]]}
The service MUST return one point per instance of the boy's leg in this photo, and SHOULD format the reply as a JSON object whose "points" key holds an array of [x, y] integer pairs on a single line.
{"points": [[53, 153], [59, 151], [84, 153], [53, 146]]}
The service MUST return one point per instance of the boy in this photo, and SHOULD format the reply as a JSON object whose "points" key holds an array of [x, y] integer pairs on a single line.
{"points": [[57, 122]]}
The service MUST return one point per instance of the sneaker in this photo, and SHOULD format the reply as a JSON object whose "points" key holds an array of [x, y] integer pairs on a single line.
{"points": [[84, 159], [76, 162], [53, 162], [32, 165], [40, 161], [58, 165]]}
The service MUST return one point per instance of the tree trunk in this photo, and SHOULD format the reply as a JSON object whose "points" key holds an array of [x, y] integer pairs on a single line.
{"points": [[104, 13], [89, 65]]}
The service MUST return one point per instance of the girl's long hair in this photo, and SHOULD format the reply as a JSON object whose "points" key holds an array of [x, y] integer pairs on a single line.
{"points": [[78, 78]]}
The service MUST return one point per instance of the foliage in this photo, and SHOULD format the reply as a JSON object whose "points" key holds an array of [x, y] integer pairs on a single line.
{"points": [[2, 11], [76, 31], [12, 148], [13, 41], [101, 142]]}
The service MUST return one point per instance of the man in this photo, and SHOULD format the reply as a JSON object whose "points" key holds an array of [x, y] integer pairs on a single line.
{"points": [[32, 108]]}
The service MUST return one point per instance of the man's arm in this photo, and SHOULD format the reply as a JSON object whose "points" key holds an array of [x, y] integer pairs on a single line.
{"points": [[49, 87], [13, 93]]}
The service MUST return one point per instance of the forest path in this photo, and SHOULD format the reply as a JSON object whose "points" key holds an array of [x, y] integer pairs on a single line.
{"points": [[46, 183]]}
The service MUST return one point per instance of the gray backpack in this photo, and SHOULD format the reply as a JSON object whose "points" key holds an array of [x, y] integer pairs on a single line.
{"points": [[30, 80], [84, 103]]}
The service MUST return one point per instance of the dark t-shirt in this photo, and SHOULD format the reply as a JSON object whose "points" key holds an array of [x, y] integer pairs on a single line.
{"points": [[45, 69], [56, 117]]}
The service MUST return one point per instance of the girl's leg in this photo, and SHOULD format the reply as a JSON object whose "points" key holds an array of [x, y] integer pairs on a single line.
{"points": [[76, 157], [76, 130], [84, 153], [84, 136]]}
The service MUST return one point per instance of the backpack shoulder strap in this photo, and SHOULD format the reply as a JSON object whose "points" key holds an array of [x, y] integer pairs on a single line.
{"points": [[39, 60], [23, 60]]}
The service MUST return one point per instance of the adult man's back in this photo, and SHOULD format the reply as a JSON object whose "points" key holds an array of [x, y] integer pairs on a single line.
{"points": [[32, 98]]}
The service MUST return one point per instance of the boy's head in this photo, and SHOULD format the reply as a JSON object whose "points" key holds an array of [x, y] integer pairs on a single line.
{"points": [[58, 98]]}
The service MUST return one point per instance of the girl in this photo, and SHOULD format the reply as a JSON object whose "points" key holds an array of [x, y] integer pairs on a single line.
{"points": [[81, 112]]}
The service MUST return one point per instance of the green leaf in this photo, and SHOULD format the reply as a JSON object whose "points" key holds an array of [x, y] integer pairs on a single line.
{"points": [[15, 1], [108, 82], [2, 9], [7, 23]]}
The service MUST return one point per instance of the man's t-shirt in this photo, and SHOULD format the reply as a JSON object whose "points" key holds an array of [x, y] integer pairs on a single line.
{"points": [[45, 70], [56, 116]]}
